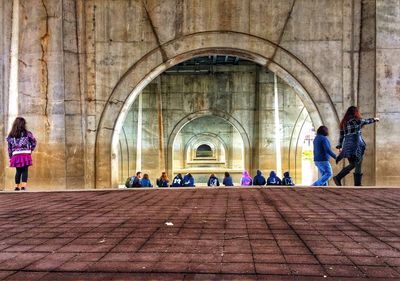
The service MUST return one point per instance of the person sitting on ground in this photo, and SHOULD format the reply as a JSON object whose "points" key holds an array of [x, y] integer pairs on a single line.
{"points": [[273, 179], [259, 179], [246, 179], [134, 181], [146, 181], [213, 181], [228, 181], [287, 179], [163, 180], [177, 181], [188, 180]]}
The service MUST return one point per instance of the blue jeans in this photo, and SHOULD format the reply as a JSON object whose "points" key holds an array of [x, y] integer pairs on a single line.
{"points": [[325, 173]]}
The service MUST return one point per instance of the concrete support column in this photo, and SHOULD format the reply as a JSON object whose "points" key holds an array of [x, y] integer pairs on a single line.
{"points": [[41, 88], [160, 118], [6, 8], [277, 129], [366, 88], [74, 87], [139, 134], [13, 84], [257, 130], [387, 85]]}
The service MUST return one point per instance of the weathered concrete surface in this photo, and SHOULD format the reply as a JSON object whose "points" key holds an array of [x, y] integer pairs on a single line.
{"points": [[5, 36], [216, 234], [388, 90], [81, 60]]}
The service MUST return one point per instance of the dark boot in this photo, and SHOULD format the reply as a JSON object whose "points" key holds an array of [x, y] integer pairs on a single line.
{"points": [[357, 179], [337, 179]]}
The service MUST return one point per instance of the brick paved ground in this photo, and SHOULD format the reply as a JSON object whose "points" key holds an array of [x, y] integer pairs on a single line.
{"points": [[217, 234]]}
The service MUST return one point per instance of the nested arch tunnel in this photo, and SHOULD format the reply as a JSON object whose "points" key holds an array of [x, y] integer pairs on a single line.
{"points": [[287, 67], [223, 102]]}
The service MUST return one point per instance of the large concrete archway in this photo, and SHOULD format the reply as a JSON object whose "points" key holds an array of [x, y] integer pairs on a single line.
{"points": [[259, 50]]}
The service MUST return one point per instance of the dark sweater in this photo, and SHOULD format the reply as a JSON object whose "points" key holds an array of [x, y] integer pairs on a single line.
{"points": [[322, 149], [228, 181]]}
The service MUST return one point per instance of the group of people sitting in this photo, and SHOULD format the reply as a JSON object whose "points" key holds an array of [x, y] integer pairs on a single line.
{"points": [[188, 180]]}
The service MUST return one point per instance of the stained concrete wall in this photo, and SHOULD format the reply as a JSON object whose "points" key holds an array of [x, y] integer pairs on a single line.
{"points": [[80, 60]]}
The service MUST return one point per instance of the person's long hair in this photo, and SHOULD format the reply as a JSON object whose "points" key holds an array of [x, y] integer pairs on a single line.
{"points": [[164, 176], [351, 113], [18, 128]]}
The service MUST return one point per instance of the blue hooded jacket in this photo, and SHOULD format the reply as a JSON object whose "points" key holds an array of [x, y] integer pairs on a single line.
{"points": [[322, 149], [228, 181], [287, 179], [177, 181], [259, 179], [273, 179], [188, 180], [145, 183], [213, 181]]}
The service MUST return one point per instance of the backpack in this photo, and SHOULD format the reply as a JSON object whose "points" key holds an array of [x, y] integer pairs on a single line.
{"points": [[132, 182], [128, 182]]}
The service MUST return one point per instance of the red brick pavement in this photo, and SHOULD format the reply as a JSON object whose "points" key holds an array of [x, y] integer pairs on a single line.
{"points": [[217, 234]]}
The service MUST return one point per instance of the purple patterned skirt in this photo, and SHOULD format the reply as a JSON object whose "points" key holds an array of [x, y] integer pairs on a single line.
{"points": [[21, 160]]}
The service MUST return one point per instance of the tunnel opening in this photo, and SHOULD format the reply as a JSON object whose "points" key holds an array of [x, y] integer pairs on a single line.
{"points": [[195, 94]]}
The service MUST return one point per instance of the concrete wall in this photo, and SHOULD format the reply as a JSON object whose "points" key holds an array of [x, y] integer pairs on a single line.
{"points": [[79, 62]]}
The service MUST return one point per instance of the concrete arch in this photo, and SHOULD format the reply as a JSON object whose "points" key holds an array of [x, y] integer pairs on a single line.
{"points": [[220, 114], [259, 50]]}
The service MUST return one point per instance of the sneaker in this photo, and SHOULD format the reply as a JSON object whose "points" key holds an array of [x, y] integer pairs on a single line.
{"points": [[23, 188], [16, 189], [337, 181]]}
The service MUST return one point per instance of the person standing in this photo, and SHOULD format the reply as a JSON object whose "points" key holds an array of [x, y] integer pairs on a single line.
{"points": [[322, 153], [21, 143], [351, 144]]}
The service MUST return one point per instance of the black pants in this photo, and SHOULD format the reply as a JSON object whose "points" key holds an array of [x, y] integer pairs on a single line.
{"points": [[21, 172], [352, 164]]}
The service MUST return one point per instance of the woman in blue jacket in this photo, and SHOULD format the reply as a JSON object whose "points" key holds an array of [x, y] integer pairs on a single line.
{"points": [[322, 153]]}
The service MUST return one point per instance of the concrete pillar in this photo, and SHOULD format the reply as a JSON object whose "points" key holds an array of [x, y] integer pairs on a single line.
{"points": [[160, 119], [13, 84], [74, 87], [41, 88], [277, 131], [6, 8], [139, 134], [257, 130], [366, 88], [387, 83]]}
